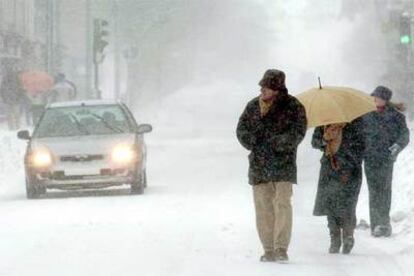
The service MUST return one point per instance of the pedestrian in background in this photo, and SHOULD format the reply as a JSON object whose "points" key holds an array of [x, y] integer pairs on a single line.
{"points": [[12, 95], [38, 103], [386, 136], [271, 128], [63, 90]]}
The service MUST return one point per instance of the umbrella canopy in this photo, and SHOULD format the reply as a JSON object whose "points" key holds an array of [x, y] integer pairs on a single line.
{"points": [[332, 105], [35, 82]]}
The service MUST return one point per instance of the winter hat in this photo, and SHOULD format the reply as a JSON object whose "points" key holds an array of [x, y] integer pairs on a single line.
{"points": [[382, 92], [273, 79]]}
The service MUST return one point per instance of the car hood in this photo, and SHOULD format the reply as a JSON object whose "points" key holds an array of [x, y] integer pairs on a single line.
{"points": [[91, 144]]}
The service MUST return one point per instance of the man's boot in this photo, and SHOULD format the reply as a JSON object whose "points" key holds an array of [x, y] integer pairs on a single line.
{"points": [[348, 240], [281, 255], [335, 240], [268, 256]]}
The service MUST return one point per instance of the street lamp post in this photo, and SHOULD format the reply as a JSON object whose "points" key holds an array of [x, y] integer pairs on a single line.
{"points": [[99, 43], [117, 54], [50, 36]]}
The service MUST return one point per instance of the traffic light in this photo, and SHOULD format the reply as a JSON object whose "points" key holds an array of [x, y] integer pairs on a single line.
{"points": [[405, 29], [99, 39]]}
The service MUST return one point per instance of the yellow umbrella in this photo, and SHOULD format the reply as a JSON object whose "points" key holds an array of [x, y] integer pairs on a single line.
{"points": [[331, 105]]}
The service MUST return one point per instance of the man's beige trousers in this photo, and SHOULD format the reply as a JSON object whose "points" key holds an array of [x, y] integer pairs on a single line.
{"points": [[273, 214]]}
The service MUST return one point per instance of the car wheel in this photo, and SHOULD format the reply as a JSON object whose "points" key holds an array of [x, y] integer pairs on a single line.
{"points": [[137, 186], [32, 189]]}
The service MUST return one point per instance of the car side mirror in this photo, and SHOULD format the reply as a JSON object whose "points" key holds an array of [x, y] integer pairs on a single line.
{"points": [[23, 135], [144, 128]]}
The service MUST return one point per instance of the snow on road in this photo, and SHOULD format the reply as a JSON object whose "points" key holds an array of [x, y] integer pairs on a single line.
{"points": [[196, 218]]}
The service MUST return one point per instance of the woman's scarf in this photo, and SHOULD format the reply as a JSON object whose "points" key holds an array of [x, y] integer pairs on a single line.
{"points": [[332, 134]]}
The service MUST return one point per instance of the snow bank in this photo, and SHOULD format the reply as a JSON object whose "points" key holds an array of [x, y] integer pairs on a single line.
{"points": [[403, 193]]}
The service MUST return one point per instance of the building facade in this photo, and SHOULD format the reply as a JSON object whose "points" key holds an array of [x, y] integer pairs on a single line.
{"points": [[29, 35]]}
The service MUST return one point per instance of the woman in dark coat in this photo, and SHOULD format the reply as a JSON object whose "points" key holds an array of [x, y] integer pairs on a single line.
{"points": [[340, 180], [386, 135]]}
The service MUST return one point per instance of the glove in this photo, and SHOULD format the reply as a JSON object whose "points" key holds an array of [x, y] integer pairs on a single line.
{"points": [[394, 150]]}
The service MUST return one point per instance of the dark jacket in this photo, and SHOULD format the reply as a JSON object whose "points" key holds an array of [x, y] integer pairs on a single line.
{"points": [[273, 139], [338, 190], [382, 130], [10, 89]]}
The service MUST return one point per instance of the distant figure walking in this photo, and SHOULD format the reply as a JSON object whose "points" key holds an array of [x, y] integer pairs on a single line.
{"points": [[12, 95], [63, 90], [37, 106], [386, 136]]}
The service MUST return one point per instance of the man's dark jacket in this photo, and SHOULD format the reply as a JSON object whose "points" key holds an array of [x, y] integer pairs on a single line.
{"points": [[272, 139], [382, 130]]}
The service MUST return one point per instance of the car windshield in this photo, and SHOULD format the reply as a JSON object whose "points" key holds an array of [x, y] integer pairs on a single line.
{"points": [[83, 120]]}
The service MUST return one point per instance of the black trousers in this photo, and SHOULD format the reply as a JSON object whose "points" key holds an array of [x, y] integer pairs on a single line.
{"points": [[379, 178]]}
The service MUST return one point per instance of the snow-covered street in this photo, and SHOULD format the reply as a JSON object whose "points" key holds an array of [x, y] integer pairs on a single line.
{"points": [[196, 218], [176, 77]]}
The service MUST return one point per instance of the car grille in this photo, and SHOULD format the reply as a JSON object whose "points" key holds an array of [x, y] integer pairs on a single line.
{"points": [[60, 175], [81, 158]]}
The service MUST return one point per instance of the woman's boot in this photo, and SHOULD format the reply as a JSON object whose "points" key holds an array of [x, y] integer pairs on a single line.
{"points": [[335, 240], [348, 240]]}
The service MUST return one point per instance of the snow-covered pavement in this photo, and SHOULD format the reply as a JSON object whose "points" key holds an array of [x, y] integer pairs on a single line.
{"points": [[196, 218]]}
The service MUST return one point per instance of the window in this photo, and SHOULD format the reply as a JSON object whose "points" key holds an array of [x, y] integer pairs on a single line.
{"points": [[83, 120]]}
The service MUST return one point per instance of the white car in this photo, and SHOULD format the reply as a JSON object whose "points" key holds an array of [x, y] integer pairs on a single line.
{"points": [[85, 145]]}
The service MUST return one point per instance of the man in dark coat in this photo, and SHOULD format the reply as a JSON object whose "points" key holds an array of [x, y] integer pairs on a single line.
{"points": [[271, 128], [386, 136], [340, 181]]}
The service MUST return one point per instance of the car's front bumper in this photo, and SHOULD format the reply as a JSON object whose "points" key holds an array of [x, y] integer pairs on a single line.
{"points": [[90, 178], [87, 182]]}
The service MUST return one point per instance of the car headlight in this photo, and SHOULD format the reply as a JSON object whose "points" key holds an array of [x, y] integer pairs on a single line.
{"points": [[41, 158], [124, 154]]}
